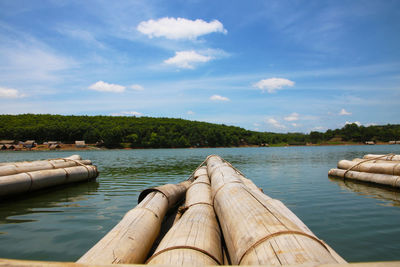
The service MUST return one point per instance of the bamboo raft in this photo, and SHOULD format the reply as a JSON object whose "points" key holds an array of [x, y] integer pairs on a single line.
{"points": [[378, 169], [225, 219], [23, 177]]}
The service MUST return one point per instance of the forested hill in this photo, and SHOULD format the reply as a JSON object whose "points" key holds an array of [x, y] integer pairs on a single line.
{"points": [[167, 132]]}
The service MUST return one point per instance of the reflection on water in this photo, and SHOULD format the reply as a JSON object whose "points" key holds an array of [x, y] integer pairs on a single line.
{"points": [[390, 196], [15, 209], [61, 224]]}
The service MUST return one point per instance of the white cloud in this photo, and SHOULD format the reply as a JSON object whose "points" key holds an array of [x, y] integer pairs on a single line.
{"points": [[273, 84], [275, 123], [186, 59], [256, 124], [219, 98], [190, 112], [136, 87], [128, 113], [344, 112], [292, 117], [295, 124], [356, 122], [10, 93], [179, 28], [107, 87]]}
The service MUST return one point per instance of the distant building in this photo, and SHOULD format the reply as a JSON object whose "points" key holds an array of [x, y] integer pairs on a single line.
{"points": [[29, 144], [54, 146], [7, 142], [52, 143], [80, 144], [370, 143], [394, 142]]}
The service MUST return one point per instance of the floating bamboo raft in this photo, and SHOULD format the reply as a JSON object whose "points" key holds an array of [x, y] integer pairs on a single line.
{"points": [[22, 177], [378, 169], [225, 219]]}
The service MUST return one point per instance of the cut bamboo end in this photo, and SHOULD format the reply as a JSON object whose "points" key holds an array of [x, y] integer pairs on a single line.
{"points": [[195, 239], [255, 230]]}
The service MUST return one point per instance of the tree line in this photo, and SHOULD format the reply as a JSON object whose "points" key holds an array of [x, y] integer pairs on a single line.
{"points": [[148, 132]]}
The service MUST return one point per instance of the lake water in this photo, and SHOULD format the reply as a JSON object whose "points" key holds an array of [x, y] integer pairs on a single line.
{"points": [[361, 222]]}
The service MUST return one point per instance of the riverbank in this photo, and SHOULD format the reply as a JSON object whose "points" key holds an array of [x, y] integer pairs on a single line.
{"points": [[73, 147]]}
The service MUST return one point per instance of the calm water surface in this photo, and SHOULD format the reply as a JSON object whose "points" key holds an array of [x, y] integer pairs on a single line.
{"points": [[361, 222]]}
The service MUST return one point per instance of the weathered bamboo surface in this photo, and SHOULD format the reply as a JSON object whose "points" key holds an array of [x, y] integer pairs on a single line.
{"points": [[28, 263], [377, 161], [257, 229], [31, 181], [194, 240], [73, 157], [20, 167], [371, 167], [132, 238], [377, 178], [382, 157]]}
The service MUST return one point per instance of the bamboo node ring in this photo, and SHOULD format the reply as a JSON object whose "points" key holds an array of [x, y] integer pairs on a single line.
{"points": [[184, 247], [289, 232]]}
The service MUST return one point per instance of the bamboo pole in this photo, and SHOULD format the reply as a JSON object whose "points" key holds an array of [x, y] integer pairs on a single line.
{"points": [[382, 168], [31, 181], [132, 238], [195, 239], [377, 161], [72, 157], [20, 167], [383, 179], [382, 157], [255, 230], [29, 263]]}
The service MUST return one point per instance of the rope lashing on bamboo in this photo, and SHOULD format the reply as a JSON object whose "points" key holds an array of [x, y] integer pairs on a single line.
{"points": [[289, 232], [352, 167], [30, 176], [149, 210], [78, 163], [182, 210], [184, 247]]}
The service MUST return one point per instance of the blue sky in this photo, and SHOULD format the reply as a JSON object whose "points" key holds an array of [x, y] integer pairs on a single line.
{"points": [[279, 66]]}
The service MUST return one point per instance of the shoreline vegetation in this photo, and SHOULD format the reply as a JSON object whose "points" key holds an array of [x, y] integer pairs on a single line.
{"points": [[147, 132]]}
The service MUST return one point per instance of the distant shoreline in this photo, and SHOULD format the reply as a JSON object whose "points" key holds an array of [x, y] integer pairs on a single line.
{"points": [[90, 147]]}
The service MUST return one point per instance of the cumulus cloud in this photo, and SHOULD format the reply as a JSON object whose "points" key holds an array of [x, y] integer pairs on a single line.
{"points": [[219, 98], [356, 122], [10, 93], [344, 112], [273, 84], [179, 28], [187, 59], [275, 123], [107, 87], [128, 113], [136, 87], [292, 117]]}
